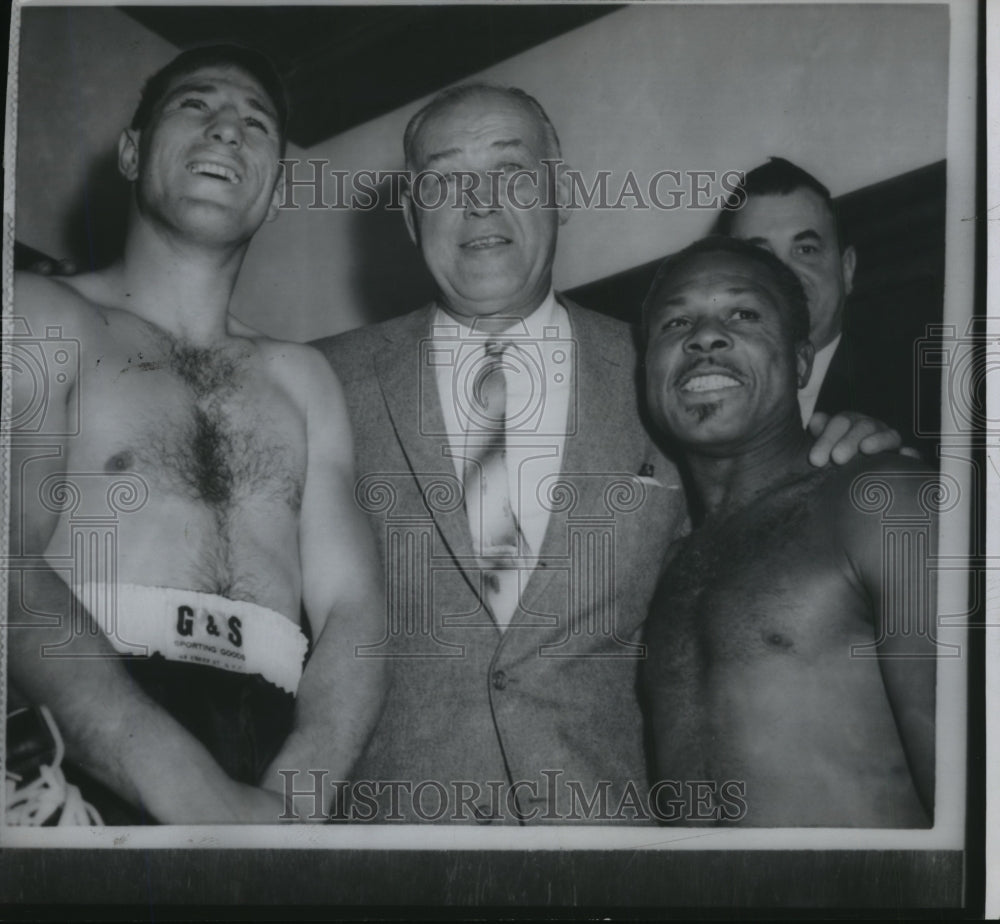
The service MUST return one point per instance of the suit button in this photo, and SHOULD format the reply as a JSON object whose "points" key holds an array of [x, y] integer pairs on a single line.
{"points": [[499, 680]]}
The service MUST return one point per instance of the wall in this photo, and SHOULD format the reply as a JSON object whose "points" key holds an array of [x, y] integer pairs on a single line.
{"points": [[854, 93], [80, 74]]}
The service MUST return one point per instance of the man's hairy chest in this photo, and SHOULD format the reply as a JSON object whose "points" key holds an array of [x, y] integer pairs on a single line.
{"points": [[766, 582], [208, 425]]}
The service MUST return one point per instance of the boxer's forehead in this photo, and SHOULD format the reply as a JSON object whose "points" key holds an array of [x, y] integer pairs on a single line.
{"points": [[223, 78], [715, 275]]}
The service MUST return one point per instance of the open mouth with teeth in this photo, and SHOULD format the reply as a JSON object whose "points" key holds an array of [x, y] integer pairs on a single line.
{"points": [[710, 381], [214, 171], [486, 242]]}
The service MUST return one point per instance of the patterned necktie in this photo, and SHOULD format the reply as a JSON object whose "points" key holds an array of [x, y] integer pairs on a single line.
{"points": [[487, 491]]}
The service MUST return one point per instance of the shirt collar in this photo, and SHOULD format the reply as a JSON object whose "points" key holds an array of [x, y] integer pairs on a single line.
{"points": [[544, 316], [821, 362]]}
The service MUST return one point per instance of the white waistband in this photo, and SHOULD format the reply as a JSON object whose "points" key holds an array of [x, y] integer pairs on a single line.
{"points": [[185, 625]]}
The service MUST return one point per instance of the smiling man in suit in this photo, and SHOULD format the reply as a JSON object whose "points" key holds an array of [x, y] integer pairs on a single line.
{"points": [[789, 212], [521, 508]]}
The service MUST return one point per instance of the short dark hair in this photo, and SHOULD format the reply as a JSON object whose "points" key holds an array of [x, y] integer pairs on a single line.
{"points": [[786, 282], [778, 177], [246, 59], [464, 91]]}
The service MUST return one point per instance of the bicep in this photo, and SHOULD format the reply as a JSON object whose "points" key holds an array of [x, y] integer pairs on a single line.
{"points": [[337, 548], [892, 549], [909, 672], [38, 449], [43, 372], [894, 562]]}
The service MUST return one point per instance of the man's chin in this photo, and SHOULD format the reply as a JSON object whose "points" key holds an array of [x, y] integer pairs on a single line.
{"points": [[706, 423], [219, 224], [490, 301]]}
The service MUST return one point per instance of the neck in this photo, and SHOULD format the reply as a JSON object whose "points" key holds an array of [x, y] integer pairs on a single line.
{"points": [[729, 480], [826, 336], [181, 286], [494, 322]]}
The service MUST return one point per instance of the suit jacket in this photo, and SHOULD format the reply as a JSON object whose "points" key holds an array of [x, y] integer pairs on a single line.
{"points": [[878, 378], [527, 722]]}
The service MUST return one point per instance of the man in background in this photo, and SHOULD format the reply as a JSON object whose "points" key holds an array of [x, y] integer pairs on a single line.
{"points": [[790, 213]]}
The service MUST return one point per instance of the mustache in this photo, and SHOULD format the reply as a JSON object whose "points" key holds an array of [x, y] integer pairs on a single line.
{"points": [[707, 366]]}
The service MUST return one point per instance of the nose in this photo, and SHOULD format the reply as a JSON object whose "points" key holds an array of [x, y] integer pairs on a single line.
{"points": [[226, 127], [482, 197], [707, 336]]}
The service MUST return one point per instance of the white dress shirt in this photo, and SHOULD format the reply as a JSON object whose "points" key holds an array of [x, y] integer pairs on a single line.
{"points": [[821, 364], [540, 378]]}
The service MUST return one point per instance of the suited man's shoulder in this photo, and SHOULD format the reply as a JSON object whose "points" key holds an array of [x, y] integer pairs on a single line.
{"points": [[618, 339], [351, 352]]}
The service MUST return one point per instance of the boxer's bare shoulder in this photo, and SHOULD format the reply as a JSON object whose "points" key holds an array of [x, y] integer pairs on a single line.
{"points": [[855, 497], [303, 373], [47, 301], [301, 367], [55, 309]]}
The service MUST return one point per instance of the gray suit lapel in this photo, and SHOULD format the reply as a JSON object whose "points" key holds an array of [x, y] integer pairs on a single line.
{"points": [[409, 388], [591, 454]]}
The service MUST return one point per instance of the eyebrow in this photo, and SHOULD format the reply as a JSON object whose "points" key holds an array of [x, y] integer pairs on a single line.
{"points": [[257, 105], [502, 144], [209, 88], [808, 235]]}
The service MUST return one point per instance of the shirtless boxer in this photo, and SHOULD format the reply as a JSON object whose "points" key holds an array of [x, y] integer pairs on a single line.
{"points": [[239, 454], [750, 679]]}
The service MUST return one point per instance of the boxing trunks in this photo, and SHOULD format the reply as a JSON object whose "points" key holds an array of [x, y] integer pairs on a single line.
{"points": [[227, 670]]}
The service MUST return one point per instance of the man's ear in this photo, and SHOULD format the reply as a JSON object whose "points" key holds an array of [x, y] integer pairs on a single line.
{"points": [[410, 217], [563, 190], [128, 154], [804, 354], [278, 196], [848, 263]]}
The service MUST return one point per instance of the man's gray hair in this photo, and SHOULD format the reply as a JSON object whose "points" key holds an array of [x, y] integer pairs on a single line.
{"points": [[456, 95]]}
